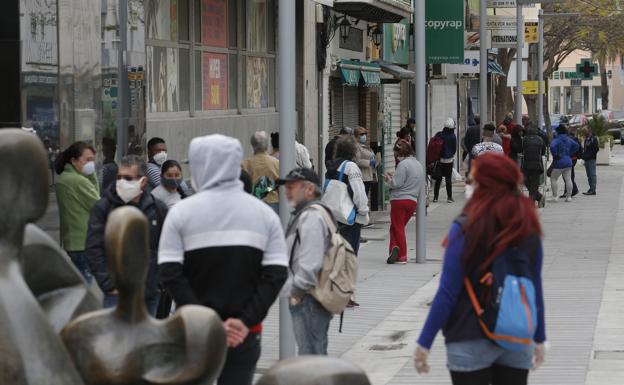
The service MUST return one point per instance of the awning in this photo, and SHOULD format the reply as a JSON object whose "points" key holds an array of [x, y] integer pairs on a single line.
{"points": [[495, 69], [376, 11], [397, 72], [355, 73]]}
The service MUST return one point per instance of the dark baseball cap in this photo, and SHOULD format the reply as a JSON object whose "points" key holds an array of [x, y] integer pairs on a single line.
{"points": [[303, 174]]}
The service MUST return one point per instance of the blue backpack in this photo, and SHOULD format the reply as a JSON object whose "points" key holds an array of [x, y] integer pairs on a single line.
{"points": [[504, 299]]}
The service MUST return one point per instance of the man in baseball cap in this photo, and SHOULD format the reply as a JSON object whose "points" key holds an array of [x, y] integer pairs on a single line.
{"points": [[307, 240]]}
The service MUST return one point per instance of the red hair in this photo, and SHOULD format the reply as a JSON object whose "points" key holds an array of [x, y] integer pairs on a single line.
{"points": [[498, 214]]}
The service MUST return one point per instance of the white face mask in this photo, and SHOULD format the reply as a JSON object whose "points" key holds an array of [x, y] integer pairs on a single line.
{"points": [[88, 168], [128, 190], [469, 191], [362, 138], [160, 158]]}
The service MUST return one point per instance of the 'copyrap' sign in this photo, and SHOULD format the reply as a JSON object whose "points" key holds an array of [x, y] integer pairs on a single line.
{"points": [[445, 31]]}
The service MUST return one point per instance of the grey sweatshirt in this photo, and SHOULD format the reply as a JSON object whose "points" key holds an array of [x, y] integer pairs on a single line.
{"points": [[308, 254], [407, 180]]}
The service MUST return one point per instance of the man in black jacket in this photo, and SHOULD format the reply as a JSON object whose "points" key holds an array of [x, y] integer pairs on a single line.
{"points": [[533, 148], [330, 149], [590, 153], [225, 249], [128, 190]]}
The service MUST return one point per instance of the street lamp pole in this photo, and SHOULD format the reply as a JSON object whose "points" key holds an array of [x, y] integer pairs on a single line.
{"points": [[287, 127], [421, 123], [483, 65], [540, 70], [520, 33]]}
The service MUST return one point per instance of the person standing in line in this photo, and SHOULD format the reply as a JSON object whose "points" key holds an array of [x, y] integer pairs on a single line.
{"points": [[77, 190], [446, 160], [129, 190], [487, 143], [506, 138], [472, 357], [262, 165], [366, 160], [562, 148], [575, 157], [590, 153], [235, 265], [157, 155], [275, 145], [405, 184], [532, 165], [109, 167], [307, 238], [472, 137], [346, 152], [516, 144], [330, 148], [170, 191], [302, 156], [409, 129]]}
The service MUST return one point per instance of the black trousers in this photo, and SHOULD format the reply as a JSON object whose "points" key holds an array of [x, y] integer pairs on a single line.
{"points": [[495, 375], [575, 189], [447, 174], [240, 364], [531, 181]]}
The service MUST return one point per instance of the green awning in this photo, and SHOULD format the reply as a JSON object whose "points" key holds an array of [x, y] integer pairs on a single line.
{"points": [[356, 73]]}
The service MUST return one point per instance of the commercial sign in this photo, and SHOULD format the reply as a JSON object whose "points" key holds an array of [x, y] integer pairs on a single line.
{"points": [[503, 31], [501, 3], [396, 42], [531, 35], [531, 87], [444, 31], [469, 66]]}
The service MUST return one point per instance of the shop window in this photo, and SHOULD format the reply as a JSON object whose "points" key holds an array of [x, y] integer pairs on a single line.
{"points": [[163, 87], [257, 82], [256, 25], [214, 23]]}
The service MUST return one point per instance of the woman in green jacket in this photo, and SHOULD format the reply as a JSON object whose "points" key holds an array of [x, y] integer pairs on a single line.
{"points": [[77, 190]]}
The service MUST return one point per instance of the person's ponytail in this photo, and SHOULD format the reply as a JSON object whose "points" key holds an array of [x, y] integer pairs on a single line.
{"points": [[59, 162], [72, 152]]}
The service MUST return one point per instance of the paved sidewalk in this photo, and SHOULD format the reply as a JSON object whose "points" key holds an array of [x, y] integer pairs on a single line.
{"points": [[584, 316]]}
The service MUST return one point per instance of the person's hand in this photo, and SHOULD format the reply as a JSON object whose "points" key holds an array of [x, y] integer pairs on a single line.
{"points": [[420, 360], [373, 162], [388, 175], [236, 332], [113, 292], [539, 355]]}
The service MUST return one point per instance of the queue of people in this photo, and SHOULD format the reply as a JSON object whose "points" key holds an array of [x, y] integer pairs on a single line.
{"points": [[238, 265]]}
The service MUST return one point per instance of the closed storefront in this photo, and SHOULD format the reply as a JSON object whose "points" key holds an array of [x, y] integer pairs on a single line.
{"points": [[345, 110]]}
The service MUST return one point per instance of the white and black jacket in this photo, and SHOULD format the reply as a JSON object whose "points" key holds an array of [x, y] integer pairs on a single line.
{"points": [[223, 248]]}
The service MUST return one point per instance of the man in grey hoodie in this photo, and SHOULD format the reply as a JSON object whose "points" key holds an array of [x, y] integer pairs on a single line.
{"points": [[307, 239]]}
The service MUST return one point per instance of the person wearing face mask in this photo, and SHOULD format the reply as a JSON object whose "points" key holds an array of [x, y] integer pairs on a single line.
{"points": [[405, 184], [77, 190], [157, 155], [128, 190], [366, 160], [307, 239], [170, 191]]}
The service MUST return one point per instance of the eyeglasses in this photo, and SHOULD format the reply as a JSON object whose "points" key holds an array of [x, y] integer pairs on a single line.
{"points": [[126, 177]]}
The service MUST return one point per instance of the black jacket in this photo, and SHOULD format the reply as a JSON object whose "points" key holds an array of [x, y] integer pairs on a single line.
{"points": [[155, 211], [533, 148], [330, 150], [473, 136], [590, 148]]}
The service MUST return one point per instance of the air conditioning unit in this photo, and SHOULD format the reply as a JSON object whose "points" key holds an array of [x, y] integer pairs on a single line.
{"points": [[438, 71]]}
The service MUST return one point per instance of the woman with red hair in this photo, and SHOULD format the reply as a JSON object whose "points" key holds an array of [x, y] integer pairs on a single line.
{"points": [[495, 222]]}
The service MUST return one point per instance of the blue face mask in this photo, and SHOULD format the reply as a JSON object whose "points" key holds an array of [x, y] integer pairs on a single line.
{"points": [[171, 183]]}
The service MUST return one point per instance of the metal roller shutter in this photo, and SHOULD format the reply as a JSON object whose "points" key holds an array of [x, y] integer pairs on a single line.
{"points": [[345, 110], [392, 104]]}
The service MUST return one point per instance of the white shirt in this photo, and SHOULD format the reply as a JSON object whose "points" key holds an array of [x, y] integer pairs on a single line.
{"points": [[168, 198]]}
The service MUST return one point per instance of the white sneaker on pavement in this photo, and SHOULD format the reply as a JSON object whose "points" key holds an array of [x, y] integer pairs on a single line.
{"points": [[569, 199]]}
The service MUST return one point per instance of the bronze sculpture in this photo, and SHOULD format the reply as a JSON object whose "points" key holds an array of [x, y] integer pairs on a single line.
{"points": [[314, 370], [32, 352], [127, 346], [52, 278]]}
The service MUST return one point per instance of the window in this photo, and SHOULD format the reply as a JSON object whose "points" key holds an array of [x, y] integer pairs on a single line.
{"points": [[203, 54], [556, 100]]}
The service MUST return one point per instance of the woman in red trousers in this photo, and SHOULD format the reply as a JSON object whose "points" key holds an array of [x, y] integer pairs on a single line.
{"points": [[405, 184]]}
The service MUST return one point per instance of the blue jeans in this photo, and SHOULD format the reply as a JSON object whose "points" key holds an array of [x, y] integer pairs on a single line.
{"points": [[351, 234], [470, 356], [310, 323], [110, 300], [79, 258], [592, 179]]}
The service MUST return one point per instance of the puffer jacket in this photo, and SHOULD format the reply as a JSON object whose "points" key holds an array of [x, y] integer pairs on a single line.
{"points": [[562, 148], [154, 210], [533, 149]]}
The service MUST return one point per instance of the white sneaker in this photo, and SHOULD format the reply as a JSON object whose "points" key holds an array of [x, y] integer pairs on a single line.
{"points": [[569, 199], [554, 199]]}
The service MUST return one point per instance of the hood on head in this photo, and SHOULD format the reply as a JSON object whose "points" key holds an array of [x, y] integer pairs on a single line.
{"points": [[214, 160]]}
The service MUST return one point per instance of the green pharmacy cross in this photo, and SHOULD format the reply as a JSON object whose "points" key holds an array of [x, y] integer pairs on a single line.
{"points": [[586, 69]]}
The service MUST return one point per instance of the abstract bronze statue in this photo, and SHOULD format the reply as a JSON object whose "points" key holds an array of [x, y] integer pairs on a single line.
{"points": [[54, 280], [126, 345], [314, 370], [32, 352]]}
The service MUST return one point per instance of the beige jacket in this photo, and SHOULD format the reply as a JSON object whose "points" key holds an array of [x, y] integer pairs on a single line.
{"points": [[364, 155], [261, 165]]}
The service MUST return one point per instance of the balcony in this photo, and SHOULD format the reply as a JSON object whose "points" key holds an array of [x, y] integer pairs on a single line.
{"points": [[375, 11]]}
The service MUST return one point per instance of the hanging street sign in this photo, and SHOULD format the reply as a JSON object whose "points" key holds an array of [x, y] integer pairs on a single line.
{"points": [[503, 31], [444, 31], [531, 87], [501, 3], [531, 35]]}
